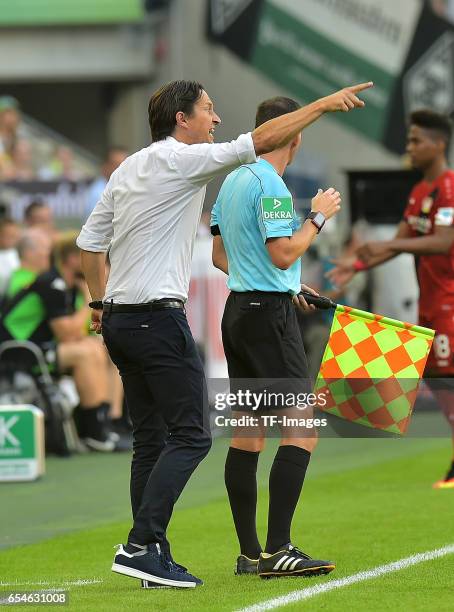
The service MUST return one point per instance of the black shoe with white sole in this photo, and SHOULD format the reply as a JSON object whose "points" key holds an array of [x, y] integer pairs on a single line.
{"points": [[148, 584], [99, 441], [244, 565], [153, 566], [290, 561]]}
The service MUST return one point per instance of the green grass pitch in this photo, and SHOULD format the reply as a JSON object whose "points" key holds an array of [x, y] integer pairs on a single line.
{"points": [[365, 503]]}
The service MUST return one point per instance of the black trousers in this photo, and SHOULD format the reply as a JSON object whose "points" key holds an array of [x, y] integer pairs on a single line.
{"points": [[262, 337], [165, 390], [263, 346]]}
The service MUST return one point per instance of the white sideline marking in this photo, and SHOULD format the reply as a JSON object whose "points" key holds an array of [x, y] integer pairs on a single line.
{"points": [[317, 589], [47, 583]]}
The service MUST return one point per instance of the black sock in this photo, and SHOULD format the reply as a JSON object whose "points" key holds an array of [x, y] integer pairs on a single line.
{"points": [[241, 483], [89, 420], [286, 481], [450, 473]]}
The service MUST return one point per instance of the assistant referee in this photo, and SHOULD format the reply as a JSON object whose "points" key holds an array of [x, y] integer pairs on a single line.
{"points": [[258, 241], [147, 217]]}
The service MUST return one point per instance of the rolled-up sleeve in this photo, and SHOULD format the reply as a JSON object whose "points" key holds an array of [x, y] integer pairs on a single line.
{"points": [[199, 163], [97, 232]]}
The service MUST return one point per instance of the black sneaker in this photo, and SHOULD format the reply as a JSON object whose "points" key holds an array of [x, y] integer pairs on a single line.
{"points": [[290, 561], [153, 566], [244, 565], [93, 433], [148, 584], [98, 439]]}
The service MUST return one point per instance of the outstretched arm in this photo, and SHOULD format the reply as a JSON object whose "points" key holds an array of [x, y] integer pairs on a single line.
{"points": [[370, 254], [438, 243], [278, 132], [375, 253]]}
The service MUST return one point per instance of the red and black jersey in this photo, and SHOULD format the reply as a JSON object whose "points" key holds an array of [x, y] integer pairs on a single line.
{"points": [[431, 205]]}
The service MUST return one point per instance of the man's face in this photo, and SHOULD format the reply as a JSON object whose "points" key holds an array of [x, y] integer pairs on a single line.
{"points": [[73, 264], [423, 147], [42, 217], [41, 254], [201, 124]]}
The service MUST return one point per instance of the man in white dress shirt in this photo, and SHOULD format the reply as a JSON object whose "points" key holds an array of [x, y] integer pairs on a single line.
{"points": [[147, 217]]}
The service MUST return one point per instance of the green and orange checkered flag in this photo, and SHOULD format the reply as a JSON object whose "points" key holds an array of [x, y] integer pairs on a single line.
{"points": [[372, 367]]}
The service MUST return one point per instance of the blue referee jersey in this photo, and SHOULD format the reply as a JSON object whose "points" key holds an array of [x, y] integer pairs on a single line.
{"points": [[253, 205]]}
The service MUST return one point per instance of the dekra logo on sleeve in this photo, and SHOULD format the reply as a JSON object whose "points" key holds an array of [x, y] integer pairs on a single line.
{"points": [[274, 208]]}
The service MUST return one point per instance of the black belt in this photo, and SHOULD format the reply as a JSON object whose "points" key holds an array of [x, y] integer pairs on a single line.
{"points": [[147, 307], [249, 294]]}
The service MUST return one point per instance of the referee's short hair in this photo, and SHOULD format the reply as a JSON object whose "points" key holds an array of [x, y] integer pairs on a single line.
{"points": [[165, 103], [274, 107], [439, 124]]}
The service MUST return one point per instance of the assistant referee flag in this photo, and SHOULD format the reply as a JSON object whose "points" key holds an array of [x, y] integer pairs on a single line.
{"points": [[372, 367]]}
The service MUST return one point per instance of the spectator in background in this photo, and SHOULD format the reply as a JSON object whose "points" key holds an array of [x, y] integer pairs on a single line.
{"points": [[9, 258], [115, 156], [39, 215], [18, 166], [443, 8], [9, 124], [22, 158], [67, 261], [61, 166], [39, 307]]}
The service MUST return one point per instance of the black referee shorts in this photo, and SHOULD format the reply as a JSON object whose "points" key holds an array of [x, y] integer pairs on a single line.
{"points": [[263, 344]]}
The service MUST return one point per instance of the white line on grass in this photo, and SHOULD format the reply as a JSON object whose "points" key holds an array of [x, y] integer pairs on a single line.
{"points": [[318, 589], [81, 582]]}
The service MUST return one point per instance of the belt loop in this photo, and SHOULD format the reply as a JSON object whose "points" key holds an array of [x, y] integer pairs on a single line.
{"points": [[110, 309]]}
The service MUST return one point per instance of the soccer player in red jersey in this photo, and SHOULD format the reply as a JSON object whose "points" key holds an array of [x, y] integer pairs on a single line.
{"points": [[427, 232]]}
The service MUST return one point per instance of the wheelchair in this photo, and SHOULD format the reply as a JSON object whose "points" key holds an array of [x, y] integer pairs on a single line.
{"points": [[25, 379]]}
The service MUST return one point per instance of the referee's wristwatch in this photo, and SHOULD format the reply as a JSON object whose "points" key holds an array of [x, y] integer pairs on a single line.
{"points": [[96, 305], [318, 219]]}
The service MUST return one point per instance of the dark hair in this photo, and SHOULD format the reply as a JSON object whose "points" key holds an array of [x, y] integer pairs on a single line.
{"points": [[274, 107], [167, 102], [430, 120], [28, 212]]}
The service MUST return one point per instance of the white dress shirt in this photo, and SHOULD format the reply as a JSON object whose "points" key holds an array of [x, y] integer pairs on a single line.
{"points": [[149, 212]]}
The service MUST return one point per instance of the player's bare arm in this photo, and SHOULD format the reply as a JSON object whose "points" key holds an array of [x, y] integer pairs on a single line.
{"points": [[278, 132], [286, 250], [370, 253], [438, 243], [219, 256]]}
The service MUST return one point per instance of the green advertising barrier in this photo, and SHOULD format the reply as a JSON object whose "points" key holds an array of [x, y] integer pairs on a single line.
{"points": [[21, 443], [58, 12], [313, 47]]}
